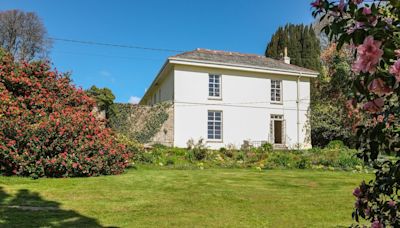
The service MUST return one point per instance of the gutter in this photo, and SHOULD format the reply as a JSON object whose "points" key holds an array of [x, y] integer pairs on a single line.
{"points": [[155, 80], [242, 67], [298, 110]]}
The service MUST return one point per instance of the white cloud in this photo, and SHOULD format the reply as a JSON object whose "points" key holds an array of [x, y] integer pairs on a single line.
{"points": [[134, 100]]}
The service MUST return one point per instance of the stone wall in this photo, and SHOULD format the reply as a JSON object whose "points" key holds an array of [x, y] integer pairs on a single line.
{"points": [[146, 124], [165, 135]]}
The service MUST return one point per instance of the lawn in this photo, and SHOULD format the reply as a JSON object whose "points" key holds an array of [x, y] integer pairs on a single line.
{"points": [[182, 198]]}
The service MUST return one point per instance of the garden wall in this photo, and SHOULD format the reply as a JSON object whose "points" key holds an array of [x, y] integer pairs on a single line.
{"points": [[145, 124]]}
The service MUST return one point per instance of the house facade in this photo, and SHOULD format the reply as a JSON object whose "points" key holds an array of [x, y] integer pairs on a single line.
{"points": [[227, 98]]}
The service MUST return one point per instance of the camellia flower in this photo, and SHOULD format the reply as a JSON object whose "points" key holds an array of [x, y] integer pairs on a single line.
{"points": [[380, 118], [376, 224], [357, 192], [392, 203], [367, 11], [374, 106], [368, 56], [341, 5], [395, 68], [378, 87]]}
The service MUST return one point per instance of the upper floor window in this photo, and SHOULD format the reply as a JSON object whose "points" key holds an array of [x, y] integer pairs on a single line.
{"points": [[276, 90], [214, 85], [214, 125]]}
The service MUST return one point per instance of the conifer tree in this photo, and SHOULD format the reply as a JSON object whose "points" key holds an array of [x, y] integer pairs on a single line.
{"points": [[302, 43]]}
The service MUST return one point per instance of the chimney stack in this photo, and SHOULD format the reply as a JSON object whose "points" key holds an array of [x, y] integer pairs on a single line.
{"points": [[286, 59]]}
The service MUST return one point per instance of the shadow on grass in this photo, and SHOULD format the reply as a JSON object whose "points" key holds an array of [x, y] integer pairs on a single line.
{"points": [[28, 209]]}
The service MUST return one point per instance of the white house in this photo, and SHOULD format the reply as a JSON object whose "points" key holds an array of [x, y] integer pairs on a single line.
{"points": [[227, 98]]}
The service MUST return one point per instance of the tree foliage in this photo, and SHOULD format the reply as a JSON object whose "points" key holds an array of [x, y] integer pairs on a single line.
{"points": [[302, 43], [373, 28], [104, 100], [329, 120], [47, 128], [23, 35]]}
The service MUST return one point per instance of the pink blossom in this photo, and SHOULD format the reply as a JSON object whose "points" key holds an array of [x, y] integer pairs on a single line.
{"points": [[357, 192], [367, 11], [368, 56], [397, 52], [380, 118], [341, 5], [376, 224], [374, 106], [395, 69], [392, 203], [378, 87]]}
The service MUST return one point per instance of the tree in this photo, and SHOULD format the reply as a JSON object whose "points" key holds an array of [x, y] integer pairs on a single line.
{"points": [[104, 100], [328, 118], [23, 35], [47, 127], [373, 28], [302, 43]]}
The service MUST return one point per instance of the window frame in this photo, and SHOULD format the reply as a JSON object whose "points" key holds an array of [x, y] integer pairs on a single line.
{"points": [[274, 94], [213, 125], [212, 89]]}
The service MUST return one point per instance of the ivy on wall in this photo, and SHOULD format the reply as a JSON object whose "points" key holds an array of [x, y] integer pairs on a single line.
{"points": [[140, 123]]}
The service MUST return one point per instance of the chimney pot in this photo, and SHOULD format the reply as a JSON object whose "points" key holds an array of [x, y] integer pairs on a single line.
{"points": [[286, 58]]}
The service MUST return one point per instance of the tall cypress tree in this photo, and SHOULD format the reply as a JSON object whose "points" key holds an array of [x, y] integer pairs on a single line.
{"points": [[302, 43]]}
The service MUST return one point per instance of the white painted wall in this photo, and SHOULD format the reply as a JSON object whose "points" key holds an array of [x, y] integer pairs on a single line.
{"points": [[164, 90], [245, 105]]}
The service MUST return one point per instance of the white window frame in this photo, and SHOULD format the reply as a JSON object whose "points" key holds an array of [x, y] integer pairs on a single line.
{"points": [[276, 91], [214, 88], [212, 126]]}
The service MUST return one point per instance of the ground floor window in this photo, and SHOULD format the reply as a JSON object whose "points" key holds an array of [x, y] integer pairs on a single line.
{"points": [[214, 125]]}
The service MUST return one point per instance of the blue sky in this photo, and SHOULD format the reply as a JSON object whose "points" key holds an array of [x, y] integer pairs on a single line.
{"points": [[233, 25]]}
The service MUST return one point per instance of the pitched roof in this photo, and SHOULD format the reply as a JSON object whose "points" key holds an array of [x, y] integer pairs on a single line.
{"points": [[236, 58]]}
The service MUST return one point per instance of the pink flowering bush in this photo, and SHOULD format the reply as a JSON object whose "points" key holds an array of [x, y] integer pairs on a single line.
{"points": [[47, 127], [373, 28]]}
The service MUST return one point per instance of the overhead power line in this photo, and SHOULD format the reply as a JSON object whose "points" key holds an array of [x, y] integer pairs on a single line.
{"points": [[114, 45]]}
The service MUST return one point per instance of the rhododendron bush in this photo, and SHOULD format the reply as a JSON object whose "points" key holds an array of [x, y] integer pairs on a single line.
{"points": [[373, 28], [47, 127]]}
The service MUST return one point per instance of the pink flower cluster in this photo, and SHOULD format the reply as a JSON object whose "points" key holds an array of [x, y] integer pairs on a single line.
{"points": [[395, 68], [379, 87], [368, 56]]}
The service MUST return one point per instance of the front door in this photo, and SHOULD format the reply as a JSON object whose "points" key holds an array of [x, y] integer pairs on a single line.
{"points": [[277, 131]]}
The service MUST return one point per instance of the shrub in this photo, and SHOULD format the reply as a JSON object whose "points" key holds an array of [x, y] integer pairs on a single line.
{"points": [[279, 160], [267, 147], [198, 150], [336, 144], [227, 152], [47, 127]]}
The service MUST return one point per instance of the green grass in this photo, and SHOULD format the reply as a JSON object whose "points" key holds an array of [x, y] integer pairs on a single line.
{"points": [[183, 198]]}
